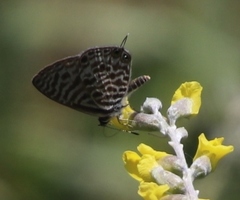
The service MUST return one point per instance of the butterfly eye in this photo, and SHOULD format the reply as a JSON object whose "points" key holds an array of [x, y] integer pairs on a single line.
{"points": [[126, 58]]}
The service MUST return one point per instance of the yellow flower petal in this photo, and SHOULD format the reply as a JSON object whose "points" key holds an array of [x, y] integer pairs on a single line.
{"points": [[145, 149], [152, 191], [131, 160], [213, 149], [145, 166], [191, 90], [140, 167]]}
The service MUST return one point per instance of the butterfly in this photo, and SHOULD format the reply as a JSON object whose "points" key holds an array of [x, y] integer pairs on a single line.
{"points": [[97, 81]]}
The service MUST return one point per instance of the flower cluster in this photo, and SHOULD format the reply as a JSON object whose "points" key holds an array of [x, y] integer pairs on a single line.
{"points": [[163, 176]]}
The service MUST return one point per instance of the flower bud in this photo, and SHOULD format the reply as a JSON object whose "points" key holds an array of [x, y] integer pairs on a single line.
{"points": [[151, 105], [162, 177], [201, 167]]}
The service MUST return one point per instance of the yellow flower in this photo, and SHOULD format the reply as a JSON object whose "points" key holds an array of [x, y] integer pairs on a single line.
{"points": [[145, 149], [123, 121], [140, 167], [213, 149], [192, 91], [152, 191], [131, 160]]}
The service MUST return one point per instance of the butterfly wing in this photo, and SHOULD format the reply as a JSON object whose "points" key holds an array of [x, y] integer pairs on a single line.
{"points": [[93, 82], [61, 82], [112, 74]]}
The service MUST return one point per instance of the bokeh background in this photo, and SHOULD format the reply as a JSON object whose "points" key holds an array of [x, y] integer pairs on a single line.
{"points": [[48, 151]]}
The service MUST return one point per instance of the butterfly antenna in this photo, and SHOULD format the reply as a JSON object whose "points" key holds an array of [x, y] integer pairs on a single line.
{"points": [[124, 41]]}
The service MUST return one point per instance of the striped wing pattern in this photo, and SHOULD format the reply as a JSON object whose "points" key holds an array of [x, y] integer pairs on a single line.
{"points": [[93, 82]]}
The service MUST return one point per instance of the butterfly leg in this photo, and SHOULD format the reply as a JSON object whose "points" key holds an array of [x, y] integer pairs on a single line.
{"points": [[136, 83]]}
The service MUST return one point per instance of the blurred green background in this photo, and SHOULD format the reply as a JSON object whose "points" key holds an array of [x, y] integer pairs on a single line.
{"points": [[48, 151]]}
